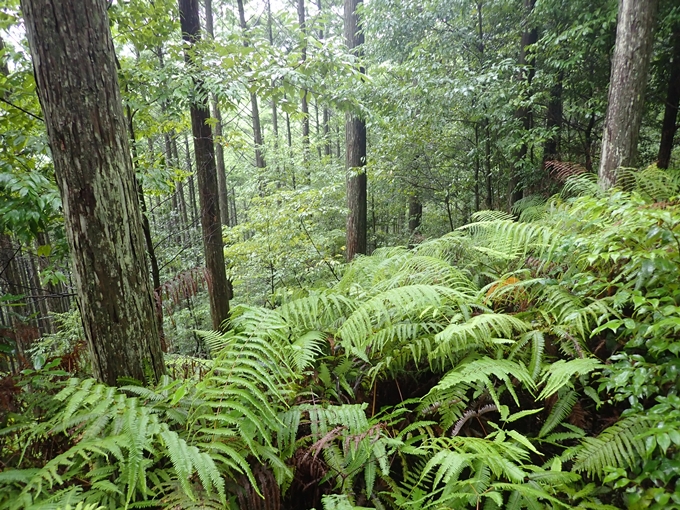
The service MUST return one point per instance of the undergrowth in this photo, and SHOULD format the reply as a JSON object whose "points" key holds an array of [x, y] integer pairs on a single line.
{"points": [[509, 364]]}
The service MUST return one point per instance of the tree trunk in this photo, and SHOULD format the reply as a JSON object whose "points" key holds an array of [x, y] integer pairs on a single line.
{"points": [[219, 288], [627, 87], [355, 143], [78, 89], [304, 108], [219, 149], [270, 34], [254, 109], [192, 189], [670, 116], [415, 214], [326, 112], [524, 113]]}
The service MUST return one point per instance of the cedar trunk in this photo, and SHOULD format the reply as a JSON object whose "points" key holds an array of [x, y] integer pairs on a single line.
{"points": [[355, 143], [670, 116], [75, 70], [627, 87], [206, 171]]}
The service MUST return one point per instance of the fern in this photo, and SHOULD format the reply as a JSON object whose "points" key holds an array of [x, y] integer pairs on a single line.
{"points": [[475, 373], [619, 446], [559, 412], [560, 374]]}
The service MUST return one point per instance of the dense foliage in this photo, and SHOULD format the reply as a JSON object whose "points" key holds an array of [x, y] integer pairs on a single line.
{"points": [[510, 342], [529, 364]]}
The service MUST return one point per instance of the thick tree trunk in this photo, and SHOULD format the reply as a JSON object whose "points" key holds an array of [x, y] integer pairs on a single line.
{"points": [[355, 143], [670, 116], [219, 287], [524, 113], [627, 87], [78, 89]]}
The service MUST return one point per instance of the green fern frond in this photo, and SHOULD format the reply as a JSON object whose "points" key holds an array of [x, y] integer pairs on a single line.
{"points": [[618, 446], [583, 184], [530, 208], [472, 373], [480, 331], [187, 460], [318, 311], [305, 349], [559, 412], [82, 506], [561, 373], [391, 306], [488, 215]]}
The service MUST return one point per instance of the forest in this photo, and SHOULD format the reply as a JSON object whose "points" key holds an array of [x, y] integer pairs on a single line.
{"points": [[339, 254]]}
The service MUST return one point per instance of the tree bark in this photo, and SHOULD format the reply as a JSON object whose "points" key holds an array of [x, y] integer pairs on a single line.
{"points": [[219, 287], [627, 85], [80, 97], [670, 116], [355, 143]]}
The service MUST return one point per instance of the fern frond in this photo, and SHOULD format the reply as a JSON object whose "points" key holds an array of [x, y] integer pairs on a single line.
{"points": [[480, 331], [559, 412], [560, 374], [390, 306], [618, 446], [475, 372], [187, 460]]}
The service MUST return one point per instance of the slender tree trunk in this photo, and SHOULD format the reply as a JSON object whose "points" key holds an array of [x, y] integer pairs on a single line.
{"points": [[10, 283], [524, 113], [304, 108], [415, 214], [627, 85], [219, 288], [219, 149], [270, 34], [179, 194], [289, 138], [355, 146], [487, 164], [588, 140], [78, 89], [477, 168], [670, 116], [551, 149], [254, 109]]}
